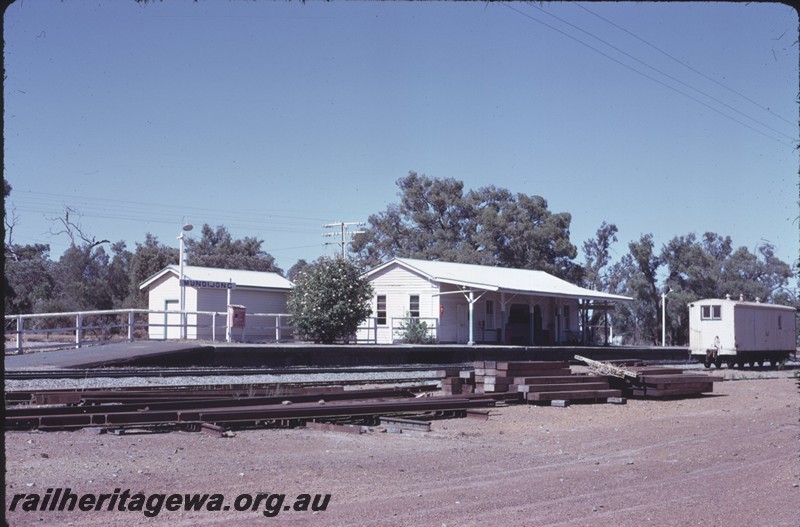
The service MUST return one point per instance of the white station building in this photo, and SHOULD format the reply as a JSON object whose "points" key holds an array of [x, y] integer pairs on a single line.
{"points": [[209, 292], [469, 304]]}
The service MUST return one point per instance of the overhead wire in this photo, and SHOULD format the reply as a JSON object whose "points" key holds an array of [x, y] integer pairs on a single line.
{"points": [[671, 77], [684, 64], [53, 204], [643, 74], [110, 208]]}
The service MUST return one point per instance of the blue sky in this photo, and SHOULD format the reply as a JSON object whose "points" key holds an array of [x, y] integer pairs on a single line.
{"points": [[274, 118]]}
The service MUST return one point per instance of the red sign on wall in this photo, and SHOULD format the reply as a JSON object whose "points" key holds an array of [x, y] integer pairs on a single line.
{"points": [[236, 316]]}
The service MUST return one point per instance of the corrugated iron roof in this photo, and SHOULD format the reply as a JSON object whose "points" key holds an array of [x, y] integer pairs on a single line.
{"points": [[500, 279]]}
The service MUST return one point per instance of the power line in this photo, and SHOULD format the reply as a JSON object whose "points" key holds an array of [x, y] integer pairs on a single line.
{"points": [[643, 63], [94, 203], [153, 213], [684, 64], [654, 79]]}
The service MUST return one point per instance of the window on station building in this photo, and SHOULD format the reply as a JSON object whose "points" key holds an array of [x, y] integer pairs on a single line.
{"points": [[567, 325], [380, 312], [413, 306], [490, 314]]}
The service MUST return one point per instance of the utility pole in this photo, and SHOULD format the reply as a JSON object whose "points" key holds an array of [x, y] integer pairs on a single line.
{"points": [[344, 232], [664, 317]]}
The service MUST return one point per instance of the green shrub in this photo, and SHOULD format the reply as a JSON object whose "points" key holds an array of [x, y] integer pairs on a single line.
{"points": [[415, 331], [329, 301]]}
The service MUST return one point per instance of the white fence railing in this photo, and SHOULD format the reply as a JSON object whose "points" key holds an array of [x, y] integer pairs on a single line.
{"points": [[71, 329], [84, 328], [418, 328], [78, 329]]}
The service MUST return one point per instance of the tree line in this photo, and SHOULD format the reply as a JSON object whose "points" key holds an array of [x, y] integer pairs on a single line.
{"points": [[438, 219]]}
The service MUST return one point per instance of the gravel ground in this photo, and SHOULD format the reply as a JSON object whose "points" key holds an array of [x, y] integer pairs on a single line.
{"points": [[729, 459]]}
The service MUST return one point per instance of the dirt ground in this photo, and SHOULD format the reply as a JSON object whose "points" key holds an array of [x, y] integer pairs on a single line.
{"points": [[730, 459]]}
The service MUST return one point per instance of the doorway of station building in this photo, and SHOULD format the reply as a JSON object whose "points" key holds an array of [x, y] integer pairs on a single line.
{"points": [[518, 328], [540, 335]]}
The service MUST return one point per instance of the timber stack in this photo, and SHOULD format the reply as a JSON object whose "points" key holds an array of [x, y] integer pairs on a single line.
{"points": [[659, 382], [544, 381], [536, 381], [456, 381]]}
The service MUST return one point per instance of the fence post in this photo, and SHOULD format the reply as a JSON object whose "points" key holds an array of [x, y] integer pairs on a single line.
{"points": [[78, 329], [130, 325], [277, 328], [20, 324], [214, 326]]}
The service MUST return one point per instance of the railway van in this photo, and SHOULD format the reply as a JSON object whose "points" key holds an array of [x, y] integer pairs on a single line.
{"points": [[736, 332]]}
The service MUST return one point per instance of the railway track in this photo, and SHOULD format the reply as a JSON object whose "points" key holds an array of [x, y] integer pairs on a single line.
{"points": [[222, 408], [297, 397], [184, 392]]}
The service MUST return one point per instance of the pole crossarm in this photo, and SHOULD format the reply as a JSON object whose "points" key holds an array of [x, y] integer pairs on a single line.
{"points": [[345, 232]]}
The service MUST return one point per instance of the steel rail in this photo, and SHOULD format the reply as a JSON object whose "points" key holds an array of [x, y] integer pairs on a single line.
{"points": [[250, 414], [111, 394], [14, 415]]}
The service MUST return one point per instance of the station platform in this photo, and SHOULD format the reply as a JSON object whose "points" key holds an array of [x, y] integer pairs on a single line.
{"points": [[192, 353], [105, 355]]}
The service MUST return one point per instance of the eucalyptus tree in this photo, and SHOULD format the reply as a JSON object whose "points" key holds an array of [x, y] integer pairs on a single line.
{"points": [[437, 219], [217, 248], [635, 275]]}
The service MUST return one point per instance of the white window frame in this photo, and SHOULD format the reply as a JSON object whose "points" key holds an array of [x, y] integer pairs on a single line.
{"points": [[411, 305], [378, 310], [711, 312]]}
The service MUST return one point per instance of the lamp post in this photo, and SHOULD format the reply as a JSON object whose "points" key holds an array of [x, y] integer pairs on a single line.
{"points": [[664, 317], [186, 228]]}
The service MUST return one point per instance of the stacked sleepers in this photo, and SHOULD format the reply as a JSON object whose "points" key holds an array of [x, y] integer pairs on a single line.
{"points": [[497, 376], [542, 381], [456, 381], [669, 382]]}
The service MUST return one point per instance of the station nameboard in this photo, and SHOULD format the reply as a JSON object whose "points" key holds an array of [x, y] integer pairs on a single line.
{"points": [[207, 284]]}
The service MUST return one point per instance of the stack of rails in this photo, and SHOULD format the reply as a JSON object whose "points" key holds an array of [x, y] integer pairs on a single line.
{"points": [[91, 396], [282, 410], [654, 381]]}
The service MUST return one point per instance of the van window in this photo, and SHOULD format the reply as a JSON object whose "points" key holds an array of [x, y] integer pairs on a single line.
{"points": [[711, 312]]}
